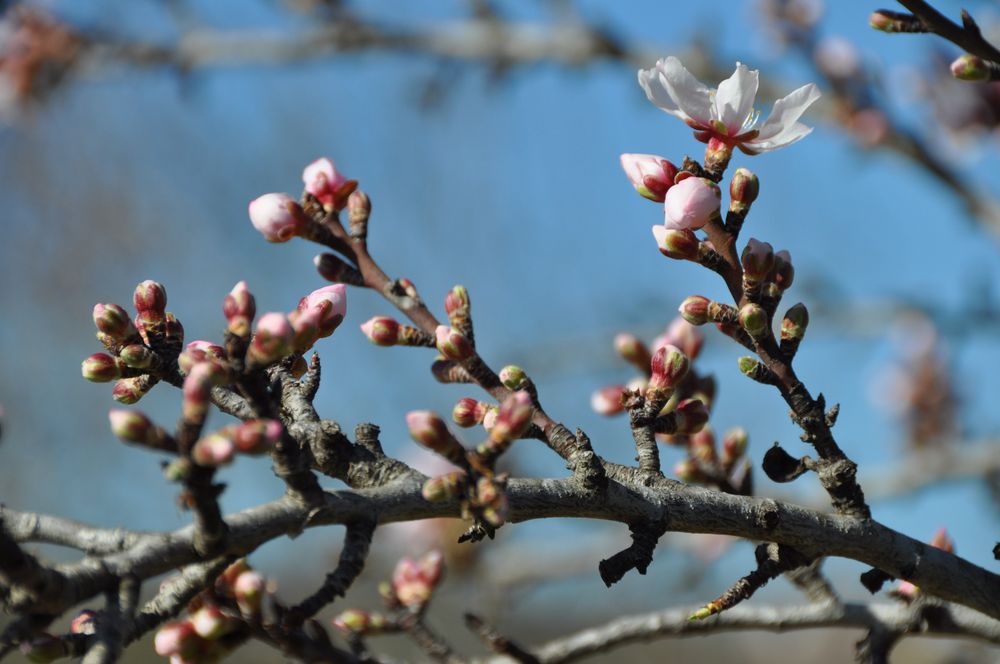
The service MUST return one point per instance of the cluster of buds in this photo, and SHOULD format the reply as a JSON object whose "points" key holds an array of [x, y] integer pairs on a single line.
{"points": [[510, 422], [728, 469], [906, 590], [253, 438], [211, 628], [139, 348]]}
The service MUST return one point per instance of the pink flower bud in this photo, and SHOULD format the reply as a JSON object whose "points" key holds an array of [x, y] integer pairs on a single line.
{"points": [[694, 309], [249, 592], [132, 426], [330, 188], [257, 436], [608, 400], [114, 321], [177, 638], [687, 470], [631, 348], [444, 487], [757, 260], [468, 412], [215, 449], [330, 304], [681, 244], [513, 418], [210, 623], [701, 446], [202, 351], [456, 302], [743, 189], [407, 581], [513, 377], [691, 203], [239, 307], [277, 217], [970, 68], [150, 300], [452, 345], [197, 389], [650, 174], [272, 340], [102, 368], [129, 390], [691, 415], [381, 330], [668, 366], [432, 567], [753, 318], [84, 623], [427, 428], [685, 336]]}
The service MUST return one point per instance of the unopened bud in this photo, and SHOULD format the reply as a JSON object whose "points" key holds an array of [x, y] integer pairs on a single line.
{"points": [[333, 268], [248, 589], [84, 623], [783, 273], [445, 487], [681, 244], [356, 621], [456, 302], [428, 429], [452, 345], [215, 449], [895, 22], [150, 300], [359, 208], [734, 446], [114, 321], [177, 638], [257, 436], [687, 470], [129, 390], [513, 417], [102, 368], [743, 190], [650, 174], [632, 349], [668, 367], [701, 446], [608, 400], [272, 340], [757, 260], [239, 307], [513, 377], [137, 356], [794, 324], [691, 203], [468, 412], [210, 623], [197, 390], [381, 330], [694, 309], [133, 426], [942, 541], [278, 217], [753, 318], [328, 185], [755, 370], [691, 415], [970, 68]]}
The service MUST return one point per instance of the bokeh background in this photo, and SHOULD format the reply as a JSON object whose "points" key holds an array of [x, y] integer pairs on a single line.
{"points": [[503, 176]]}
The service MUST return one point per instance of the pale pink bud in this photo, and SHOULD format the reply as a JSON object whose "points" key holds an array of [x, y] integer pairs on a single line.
{"points": [[681, 244], [427, 428], [650, 174], [277, 216], [197, 389], [330, 302], [201, 351], [249, 590], [216, 449], [272, 340], [210, 623], [381, 330], [608, 400], [691, 203], [513, 418], [257, 436], [453, 345], [176, 638], [327, 184], [239, 307]]}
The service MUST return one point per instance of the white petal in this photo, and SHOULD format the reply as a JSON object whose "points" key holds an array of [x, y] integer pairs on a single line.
{"points": [[735, 97], [652, 82], [787, 111], [689, 94], [788, 136]]}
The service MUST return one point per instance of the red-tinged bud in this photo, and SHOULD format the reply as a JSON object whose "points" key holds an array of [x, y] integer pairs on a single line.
{"points": [[330, 187], [84, 623], [694, 309], [513, 377], [631, 348], [650, 174], [278, 217], [215, 449], [202, 351], [225, 581], [137, 356], [734, 446], [381, 330], [757, 260], [332, 268], [272, 340], [783, 272], [794, 324], [691, 203], [210, 623], [330, 304], [513, 418], [687, 470], [248, 589], [359, 208], [197, 389], [114, 321], [428, 429], [701, 446], [239, 307], [305, 326], [432, 567], [177, 638], [445, 487], [608, 400], [452, 345], [257, 436], [412, 589], [102, 368], [44, 648], [468, 412], [685, 336], [356, 621], [493, 499], [942, 541], [743, 190], [150, 300], [970, 68], [717, 153], [753, 318], [668, 367], [133, 426], [691, 415], [456, 302], [681, 244]]}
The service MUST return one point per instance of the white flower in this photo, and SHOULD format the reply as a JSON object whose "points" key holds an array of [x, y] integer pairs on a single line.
{"points": [[727, 114]]}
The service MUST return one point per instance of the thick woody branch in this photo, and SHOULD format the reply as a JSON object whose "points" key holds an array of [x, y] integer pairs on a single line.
{"points": [[967, 36]]}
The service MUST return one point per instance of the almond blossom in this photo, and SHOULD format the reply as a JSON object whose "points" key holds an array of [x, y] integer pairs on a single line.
{"points": [[727, 113]]}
